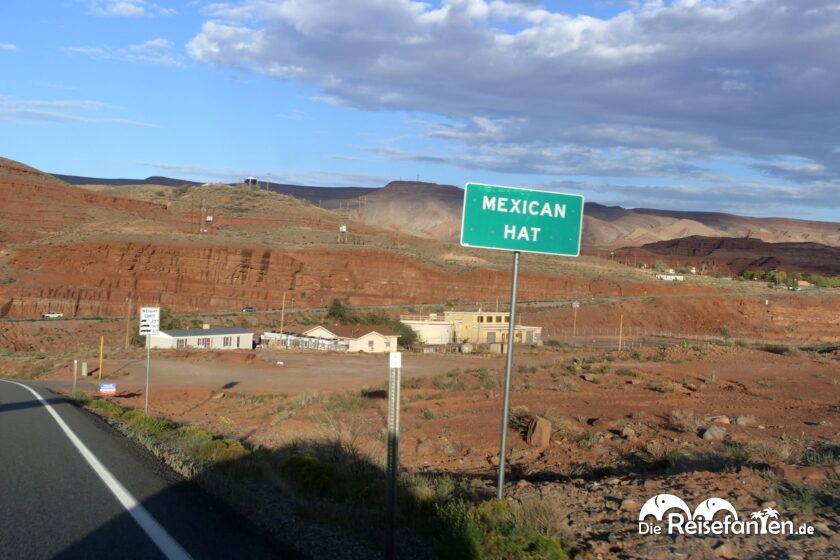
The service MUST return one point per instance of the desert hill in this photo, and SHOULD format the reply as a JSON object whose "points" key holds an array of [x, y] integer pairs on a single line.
{"points": [[433, 211], [91, 250], [730, 255]]}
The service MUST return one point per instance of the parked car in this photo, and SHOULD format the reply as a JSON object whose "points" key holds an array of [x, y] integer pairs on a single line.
{"points": [[52, 315], [249, 309]]}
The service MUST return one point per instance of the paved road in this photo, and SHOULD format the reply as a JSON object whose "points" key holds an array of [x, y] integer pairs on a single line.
{"points": [[102, 496]]}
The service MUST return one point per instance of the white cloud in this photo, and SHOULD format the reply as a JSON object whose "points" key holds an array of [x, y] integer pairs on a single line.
{"points": [[11, 47], [154, 51], [64, 111], [126, 8], [663, 89]]}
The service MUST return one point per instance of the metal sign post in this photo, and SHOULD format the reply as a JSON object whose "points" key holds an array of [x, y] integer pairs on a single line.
{"points": [[575, 305], [75, 369], [519, 220], [149, 325], [395, 362], [500, 487]]}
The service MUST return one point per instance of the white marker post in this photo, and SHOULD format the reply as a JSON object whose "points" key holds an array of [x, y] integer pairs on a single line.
{"points": [[395, 359], [149, 325], [75, 369]]}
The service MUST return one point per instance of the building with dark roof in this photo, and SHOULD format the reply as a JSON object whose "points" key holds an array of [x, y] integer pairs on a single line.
{"points": [[227, 338]]}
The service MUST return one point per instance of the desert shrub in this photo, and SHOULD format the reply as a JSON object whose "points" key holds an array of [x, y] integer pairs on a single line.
{"points": [[410, 382], [565, 385], [492, 531], [809, 499], [220, 449], [338, 311], [427, 414], [590, 440], [821, 454], [543, 514], [553, 343], [150, 425], [626, 372], [449, 383], [106, 408], [520, 418], [684, 421], [425, 491], [309, 475], [80, 397], [346, 402], [305, 399]]}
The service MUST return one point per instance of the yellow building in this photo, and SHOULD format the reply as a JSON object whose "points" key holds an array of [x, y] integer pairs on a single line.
{"points": [[484, 327]]}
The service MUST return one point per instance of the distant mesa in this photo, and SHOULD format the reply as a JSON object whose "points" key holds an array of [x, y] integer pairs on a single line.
{"points": [[433, 210]]}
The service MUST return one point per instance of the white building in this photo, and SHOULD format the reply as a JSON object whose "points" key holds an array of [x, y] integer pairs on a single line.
{"points": [[671, 277], [432, 329], [212, 339], [341, 338]]}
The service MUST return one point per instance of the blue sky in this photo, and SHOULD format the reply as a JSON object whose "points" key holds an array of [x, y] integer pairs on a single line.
{"points": [[684, 105]]}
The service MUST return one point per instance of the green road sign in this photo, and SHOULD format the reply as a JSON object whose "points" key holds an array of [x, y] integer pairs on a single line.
{"points": [[525, 220]]}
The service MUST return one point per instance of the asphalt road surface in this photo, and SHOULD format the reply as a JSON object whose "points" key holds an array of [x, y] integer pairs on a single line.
{"points": [[71, 487]]}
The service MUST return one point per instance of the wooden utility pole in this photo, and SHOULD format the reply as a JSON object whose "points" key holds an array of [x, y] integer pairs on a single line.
{"points": [[129, 305], [101, 354]]}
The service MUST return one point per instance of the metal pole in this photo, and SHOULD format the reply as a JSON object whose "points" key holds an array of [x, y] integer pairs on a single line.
{"points": [[148, 358], [500, 489], [282, 319], [75, 367], [620, 332], [101, 352], [574, 324], [393, 459]]}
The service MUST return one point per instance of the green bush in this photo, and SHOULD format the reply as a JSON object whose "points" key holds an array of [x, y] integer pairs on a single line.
{"points": [[217, 450], [105, 408], [309, 474], [80, 397], [150, 425], [490, 531]]}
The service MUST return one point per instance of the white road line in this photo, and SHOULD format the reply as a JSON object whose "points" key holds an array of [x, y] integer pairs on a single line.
{"points": [[167, 545]]}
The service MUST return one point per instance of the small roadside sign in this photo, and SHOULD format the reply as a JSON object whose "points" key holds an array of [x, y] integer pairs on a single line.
{"points": [[107, 388], [526, 220], [149, 321], [395, 359], [575, 304]]}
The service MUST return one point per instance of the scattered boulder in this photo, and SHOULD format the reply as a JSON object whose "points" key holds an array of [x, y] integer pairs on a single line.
{"points": [[630, 505], [494, 460], [714, 433], [725, 550], [745, 421], [628, 433], [539, 432], [823, 529], [718, 419]]}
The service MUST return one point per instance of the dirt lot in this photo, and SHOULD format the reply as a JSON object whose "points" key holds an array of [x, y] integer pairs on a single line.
{"points": [[624, 427]]}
